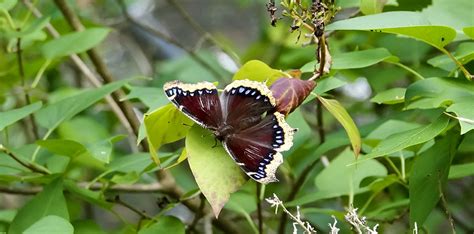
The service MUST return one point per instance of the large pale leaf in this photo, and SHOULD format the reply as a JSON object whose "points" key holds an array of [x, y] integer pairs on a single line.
{"points": [[349, 177], [216, 174], [390, 96], [165, 125], [52, 115], [49, 202], [402, 140], [50, 224], [340, 113], [10, 117], [258, 71], [165, 224], [428, 175], [74, 43], [355, 59], [455, 14], [411, 24], [461, 170], [464, 111], [437, 92]]}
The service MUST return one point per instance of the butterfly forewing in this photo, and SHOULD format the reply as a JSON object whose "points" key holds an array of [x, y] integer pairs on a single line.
{"points": [[198, 101], [256, 149], [243, 103]]}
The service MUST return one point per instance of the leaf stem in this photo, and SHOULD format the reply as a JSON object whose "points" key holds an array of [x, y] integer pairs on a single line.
{"points": [[459, 64], [32, 166], [416, 74], [394, 167], [259, 208]]}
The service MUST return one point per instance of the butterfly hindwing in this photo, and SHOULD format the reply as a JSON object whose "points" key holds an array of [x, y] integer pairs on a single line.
{"points": [[257, 149], [198, 101]]}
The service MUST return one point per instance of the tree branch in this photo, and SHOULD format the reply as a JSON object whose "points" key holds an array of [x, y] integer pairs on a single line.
{"points": [[31, 166], [172, 41], [91, 77], [102, 70]]}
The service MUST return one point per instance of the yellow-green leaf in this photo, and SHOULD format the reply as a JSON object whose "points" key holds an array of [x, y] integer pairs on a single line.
{"points": [[340, 113], [258, 71]]}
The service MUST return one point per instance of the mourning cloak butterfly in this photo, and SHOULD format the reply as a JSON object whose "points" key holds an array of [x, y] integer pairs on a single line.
{"points": [[243, 118]]}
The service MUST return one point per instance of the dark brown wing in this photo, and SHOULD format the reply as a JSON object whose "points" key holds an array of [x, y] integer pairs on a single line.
{"points": [[200, 102], [244, 102], [257, 149]]}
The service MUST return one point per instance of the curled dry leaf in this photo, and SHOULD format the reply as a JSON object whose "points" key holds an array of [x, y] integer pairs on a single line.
{"points": [[289, 93]]}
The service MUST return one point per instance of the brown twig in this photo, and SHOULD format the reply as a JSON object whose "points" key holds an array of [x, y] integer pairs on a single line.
{"points": [[102, 70], [172, 41], [204, 34], [91, 77], [259, 208], [444, 205], [141, 213], [31, 166], [21, 71]]}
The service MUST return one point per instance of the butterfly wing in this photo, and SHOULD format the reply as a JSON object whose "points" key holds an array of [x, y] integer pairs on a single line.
{"points": [[244, 102], [199, 101]]}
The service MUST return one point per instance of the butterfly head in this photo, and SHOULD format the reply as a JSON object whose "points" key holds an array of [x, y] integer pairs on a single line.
{"points": [[223, 131]]}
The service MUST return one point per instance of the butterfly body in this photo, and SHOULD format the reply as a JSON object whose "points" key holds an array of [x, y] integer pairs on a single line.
{"points": [[242, 118]]}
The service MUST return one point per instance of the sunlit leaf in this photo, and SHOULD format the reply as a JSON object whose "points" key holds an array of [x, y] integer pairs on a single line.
{"points": [[165, 125], [355, 59], [411, 24], [469, 31], [216, 174], [258, 71], [10, 117], [340, 113], [50, 224]]}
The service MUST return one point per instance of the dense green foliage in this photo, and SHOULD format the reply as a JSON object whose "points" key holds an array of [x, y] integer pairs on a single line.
{"points": [[90, 144]]}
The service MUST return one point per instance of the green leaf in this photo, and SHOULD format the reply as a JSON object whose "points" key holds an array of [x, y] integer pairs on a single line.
{"points": [[355, 59], [131, 163], [437, 92], [402, 140], [10, 117], [150, 96], [50, 224], [7, 215], [369, 7], [48, 202], [73, 43], [411, 24], [215, 171], [390, 96], [87, 227], [34, 27], [455, 14], [72, 149], [165, 125], [340, 113], [53, 114], [349, 178], [464, 114], [102, 150], [7, 5], [428, 175], [165, 224], [464, 54], [128, 178], [391, 127], [258, 71], [469, 31], [461, 170], [93, 197]]}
